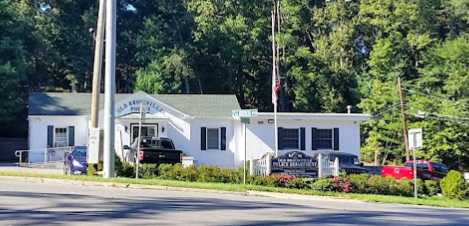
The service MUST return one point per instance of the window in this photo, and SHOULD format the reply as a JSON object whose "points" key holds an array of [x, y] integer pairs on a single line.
{"points": [[61, 138], [290, 138], [212, 138], [324, 138]]}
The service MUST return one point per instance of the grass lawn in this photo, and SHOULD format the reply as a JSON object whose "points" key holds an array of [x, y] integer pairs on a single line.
{"points": [[428, 201]]}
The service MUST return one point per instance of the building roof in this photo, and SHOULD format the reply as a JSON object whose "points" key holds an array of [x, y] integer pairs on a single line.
{"points": [[316, 116], [196, 105]]}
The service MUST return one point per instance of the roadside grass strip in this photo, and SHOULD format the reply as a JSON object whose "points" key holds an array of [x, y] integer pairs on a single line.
{"points": [[122, 181]]}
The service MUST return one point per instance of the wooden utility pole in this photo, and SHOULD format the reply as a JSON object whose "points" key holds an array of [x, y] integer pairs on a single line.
{"points": [[403, 119], [97, 65]]}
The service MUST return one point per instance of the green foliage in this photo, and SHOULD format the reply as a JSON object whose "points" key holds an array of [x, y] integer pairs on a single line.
{"points": [[431, 187], [91, 170], [453, 185], [323, 184]]}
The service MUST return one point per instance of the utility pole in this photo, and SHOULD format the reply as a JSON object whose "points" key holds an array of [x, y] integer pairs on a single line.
{"points": [[403, 119], [110, 86], [97, 65]]}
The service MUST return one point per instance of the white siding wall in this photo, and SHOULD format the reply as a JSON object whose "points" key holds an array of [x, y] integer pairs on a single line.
{"points": [[220, 158], [260, 137], [38, 129]]}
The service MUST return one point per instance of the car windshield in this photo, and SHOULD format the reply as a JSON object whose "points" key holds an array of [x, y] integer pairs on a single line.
{"points": [[79, 153]]}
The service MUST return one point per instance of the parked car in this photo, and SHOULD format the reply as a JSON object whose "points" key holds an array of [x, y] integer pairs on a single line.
{"points": [[426, 170], [349, 163], [157, 151], [75, 161]]}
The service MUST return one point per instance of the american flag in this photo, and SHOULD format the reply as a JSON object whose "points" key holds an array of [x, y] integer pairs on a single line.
{"points": [[275, 88]]}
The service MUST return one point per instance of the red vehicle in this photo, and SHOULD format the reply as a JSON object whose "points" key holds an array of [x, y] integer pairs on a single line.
{"points": [[426, 170]]}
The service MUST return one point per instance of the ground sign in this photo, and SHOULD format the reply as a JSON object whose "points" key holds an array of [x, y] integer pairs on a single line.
{"points": [[295, 163]]}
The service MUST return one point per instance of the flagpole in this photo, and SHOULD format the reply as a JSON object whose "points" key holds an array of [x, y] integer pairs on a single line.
{"points": [[274, 81]]}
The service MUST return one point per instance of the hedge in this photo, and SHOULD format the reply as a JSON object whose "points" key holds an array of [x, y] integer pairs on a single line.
{"points": [[359, 183]]}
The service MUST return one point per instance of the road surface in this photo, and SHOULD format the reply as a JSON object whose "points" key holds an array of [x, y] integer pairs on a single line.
{"points": [[25, 202]]}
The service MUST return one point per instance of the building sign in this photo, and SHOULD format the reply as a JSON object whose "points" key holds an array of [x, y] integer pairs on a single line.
{"points": [[133, 106], [295, 163], [415, 138]]}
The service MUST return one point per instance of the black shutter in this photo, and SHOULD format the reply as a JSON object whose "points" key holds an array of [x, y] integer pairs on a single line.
{"points": [[336, 138], [223, 138], [313, 139], [203, 138], [71, 136], [302, 138], [50, 136], [280, 138]]}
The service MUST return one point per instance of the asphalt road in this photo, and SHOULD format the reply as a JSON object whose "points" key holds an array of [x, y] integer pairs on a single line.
{"points": [[62, 203]]}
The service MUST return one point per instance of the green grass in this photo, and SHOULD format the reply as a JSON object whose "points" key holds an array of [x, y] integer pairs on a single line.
{"points": [[427, 201]]}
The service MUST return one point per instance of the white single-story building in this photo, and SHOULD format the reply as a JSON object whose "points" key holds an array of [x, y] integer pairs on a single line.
{"points": [[201, 126]]}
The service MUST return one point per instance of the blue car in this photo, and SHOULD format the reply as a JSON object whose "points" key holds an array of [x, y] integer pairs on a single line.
{"points": [[75, 161]]}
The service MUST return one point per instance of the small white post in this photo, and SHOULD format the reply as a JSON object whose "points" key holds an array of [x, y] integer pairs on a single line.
{"points": [[336, 166], [320, 173], [268, 164]]}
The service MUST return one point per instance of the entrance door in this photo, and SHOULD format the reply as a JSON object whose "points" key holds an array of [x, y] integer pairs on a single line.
{"points": [[148, 130]]}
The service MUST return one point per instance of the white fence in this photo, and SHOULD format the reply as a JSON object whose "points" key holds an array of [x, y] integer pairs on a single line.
{"points": [[327, 167], [42, 156], [262, 166]]}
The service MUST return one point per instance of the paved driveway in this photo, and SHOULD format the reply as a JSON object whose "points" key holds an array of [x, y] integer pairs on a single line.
{"points": [[55, 203]]}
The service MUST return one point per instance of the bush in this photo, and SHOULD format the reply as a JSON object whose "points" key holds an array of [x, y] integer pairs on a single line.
{"points": [[298, 183], [263, 180], [341, 184], [90, 170], [404, 188], [147, 171], [283, 180], [431, 187], [323, 184], [359, 182], [382, 185], [453, 185]]}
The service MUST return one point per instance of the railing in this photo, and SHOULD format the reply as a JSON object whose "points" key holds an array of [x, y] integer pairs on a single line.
{"points": [[42, 156]]}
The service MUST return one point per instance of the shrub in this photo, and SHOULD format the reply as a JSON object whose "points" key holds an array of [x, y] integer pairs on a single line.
{"points": [[283, 180], [298, 183], [147, 170], [359, 182], [453, 185], [323, 184], [165, 171], [431, 187], [404, 188], [90, 170], [264, 180], [189, 173], [341, 184], [382, 185]]}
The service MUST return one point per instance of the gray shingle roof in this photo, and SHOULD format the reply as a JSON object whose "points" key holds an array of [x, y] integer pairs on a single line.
{"points": [[197, 105]]}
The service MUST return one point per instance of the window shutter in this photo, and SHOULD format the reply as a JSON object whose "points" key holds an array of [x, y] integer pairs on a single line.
{"points": [[313, 139], [302, 138], [280, 138], [50, 136], [203, 138], [336, 138], [223, 138], [71, 136]]}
